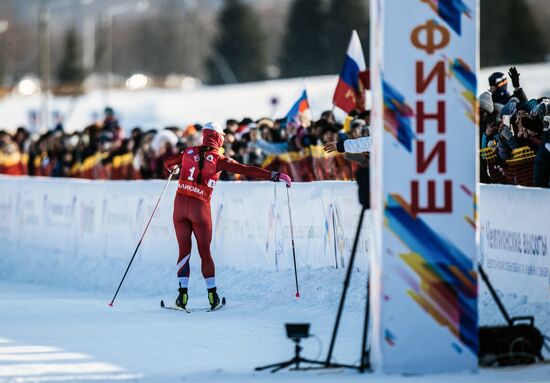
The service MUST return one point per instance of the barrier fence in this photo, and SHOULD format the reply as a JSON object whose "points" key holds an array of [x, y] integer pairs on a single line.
{"points": [[95, 220], [251, 229], [517, 170]]}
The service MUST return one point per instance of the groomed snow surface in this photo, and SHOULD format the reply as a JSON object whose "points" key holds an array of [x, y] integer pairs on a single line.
{"points": [[55, 325]]}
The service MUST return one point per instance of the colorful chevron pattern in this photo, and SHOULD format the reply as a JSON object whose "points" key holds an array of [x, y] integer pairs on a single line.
{"points": [[397, 116], [451, 12], [448, 283], [467, 78]]}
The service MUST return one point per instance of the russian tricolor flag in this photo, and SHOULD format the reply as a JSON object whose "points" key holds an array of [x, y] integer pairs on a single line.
{"points": [[300, 106], [350, 91]]}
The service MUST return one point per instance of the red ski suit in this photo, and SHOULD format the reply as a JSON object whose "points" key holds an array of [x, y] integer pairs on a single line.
{"points": [[200, 168]]}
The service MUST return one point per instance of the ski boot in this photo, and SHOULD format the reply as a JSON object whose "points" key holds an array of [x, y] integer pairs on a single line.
{"points": [[214, 299], [181, 300]]}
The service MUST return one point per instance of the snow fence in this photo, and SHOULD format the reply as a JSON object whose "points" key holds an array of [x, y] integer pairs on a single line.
{"points": [[49, 227], [514, 233], [55, 226]]}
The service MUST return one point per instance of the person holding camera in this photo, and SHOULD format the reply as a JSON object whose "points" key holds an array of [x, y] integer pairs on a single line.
{"points": [[356, 149]]}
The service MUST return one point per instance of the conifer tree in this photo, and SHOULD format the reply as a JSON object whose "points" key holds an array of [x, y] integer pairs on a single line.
{"points": [[305, 44], [239, 48], [70, 70], [345, 16], [509, 34]]}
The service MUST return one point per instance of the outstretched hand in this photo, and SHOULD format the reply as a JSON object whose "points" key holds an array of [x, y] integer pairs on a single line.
{"points": [[330, 147], [514, 75], [286, 179]]}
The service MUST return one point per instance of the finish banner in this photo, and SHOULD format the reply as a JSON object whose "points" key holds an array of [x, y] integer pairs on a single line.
{"points": [[423, 66]]}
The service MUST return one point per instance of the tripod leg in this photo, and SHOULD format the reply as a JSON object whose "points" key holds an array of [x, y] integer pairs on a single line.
{"points": [[283, 365], [346, 284], [365, 354], [273, 365]]}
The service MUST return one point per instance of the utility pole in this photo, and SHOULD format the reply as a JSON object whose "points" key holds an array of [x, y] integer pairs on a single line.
{"points": [[88, 43], [46, 8], [110, 13]]}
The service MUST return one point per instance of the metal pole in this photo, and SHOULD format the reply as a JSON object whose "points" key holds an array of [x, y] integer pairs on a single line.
{"points": [[345, 290], [494, 295], [141, 239], [88, 43], [293, 247], [334, 234], [109, 55], [364, 363]]}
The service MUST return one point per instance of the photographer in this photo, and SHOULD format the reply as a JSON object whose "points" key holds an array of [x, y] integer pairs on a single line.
{"points": [[356, 150]]}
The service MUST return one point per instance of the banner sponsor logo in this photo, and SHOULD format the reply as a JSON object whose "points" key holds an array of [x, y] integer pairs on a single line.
{"points": [[29, 215], [515, 241], [191, 188], [6, 209], [58, 213], [87, 218]]}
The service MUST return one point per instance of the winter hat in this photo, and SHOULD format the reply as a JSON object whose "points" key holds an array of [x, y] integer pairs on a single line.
{"points": [[358, 123], [214, 126], [498, 80], [189, 130], [266, 121], [528, 106], [542, 109], [486, 102]]}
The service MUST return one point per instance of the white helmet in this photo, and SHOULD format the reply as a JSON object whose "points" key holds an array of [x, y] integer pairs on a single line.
{"points": [[214, 126]]}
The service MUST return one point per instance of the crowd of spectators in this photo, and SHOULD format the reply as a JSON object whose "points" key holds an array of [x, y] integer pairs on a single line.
{"points": [[105, 150], [514, 143], [514, 134]]}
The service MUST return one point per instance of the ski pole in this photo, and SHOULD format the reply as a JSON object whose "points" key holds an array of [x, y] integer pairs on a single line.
{"points": [[292, 238], [141, 239]]}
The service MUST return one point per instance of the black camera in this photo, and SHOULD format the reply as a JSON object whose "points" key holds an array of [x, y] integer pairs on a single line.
{"points": [[297, 331]]}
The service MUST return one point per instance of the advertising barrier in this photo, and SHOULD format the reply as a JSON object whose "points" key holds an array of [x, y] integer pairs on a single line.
{"points": [[104, 220], [514, 235]]}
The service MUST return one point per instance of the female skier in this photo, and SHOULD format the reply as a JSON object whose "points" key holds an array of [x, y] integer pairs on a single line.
{"points": [[200, 168]]}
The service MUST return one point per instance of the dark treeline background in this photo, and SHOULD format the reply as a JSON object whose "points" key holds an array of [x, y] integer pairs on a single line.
{"points": [[226, 41]]}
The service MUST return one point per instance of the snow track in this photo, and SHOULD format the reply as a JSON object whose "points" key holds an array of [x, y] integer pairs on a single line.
{"points": [[57, 333], [137, 340]]}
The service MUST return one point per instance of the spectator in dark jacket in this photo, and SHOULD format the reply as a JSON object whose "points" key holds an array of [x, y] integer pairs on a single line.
{"points": [[498, 85], [110, 123]]}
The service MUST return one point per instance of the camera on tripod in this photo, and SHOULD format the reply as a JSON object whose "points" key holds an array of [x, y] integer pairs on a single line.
{"points": [[297, 331]]}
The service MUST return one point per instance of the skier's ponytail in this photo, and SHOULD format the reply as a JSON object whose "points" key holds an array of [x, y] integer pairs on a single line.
{"points": [[202, 151]]}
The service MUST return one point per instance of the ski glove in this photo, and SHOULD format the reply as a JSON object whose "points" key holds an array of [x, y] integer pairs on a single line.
{"points": [[172, 162], [278, 177], [514, 75]]}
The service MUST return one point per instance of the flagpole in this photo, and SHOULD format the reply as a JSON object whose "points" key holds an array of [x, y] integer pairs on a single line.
{"points": [[354, 64]]}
